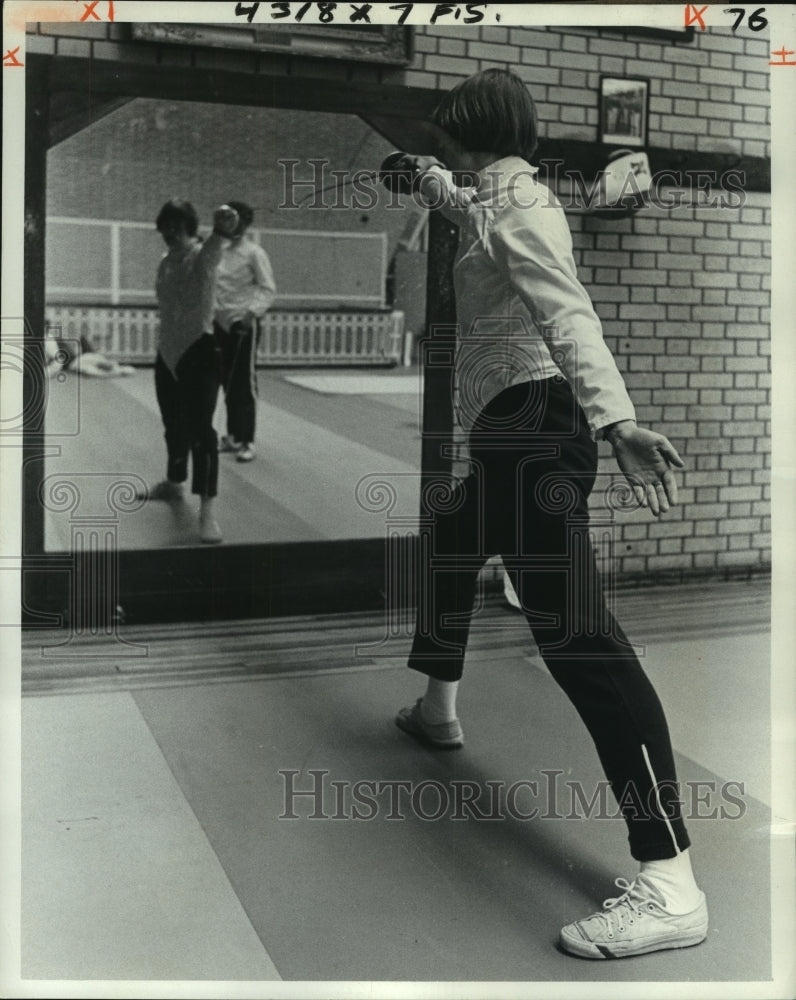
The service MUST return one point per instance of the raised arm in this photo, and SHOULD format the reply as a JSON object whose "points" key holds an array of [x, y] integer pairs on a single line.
{"points": [[431, 183], [225, 222]]}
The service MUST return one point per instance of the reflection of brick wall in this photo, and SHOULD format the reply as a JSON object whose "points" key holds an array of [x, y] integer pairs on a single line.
{"points": [[683, 294]]}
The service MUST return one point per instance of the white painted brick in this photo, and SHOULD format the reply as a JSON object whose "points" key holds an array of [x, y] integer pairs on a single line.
{"points": [[452, 47], [40, 44], [73, 47], [755, 81], [448, 64]]}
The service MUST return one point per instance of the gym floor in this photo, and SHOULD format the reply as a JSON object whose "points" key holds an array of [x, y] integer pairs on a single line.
{"points": [[318, 436], [157, 836]]}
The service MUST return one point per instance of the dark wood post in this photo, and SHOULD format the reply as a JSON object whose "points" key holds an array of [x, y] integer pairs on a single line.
{"points": [[437, 352], [34, 379]]}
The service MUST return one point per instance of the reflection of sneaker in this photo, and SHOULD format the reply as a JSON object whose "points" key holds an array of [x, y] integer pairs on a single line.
{"points": [[209, 531], [445, 735], [229, 444], [164, 490], [633, 924], [246, 453]]}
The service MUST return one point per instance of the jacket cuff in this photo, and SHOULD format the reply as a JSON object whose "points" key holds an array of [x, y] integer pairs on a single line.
{"points": [[602, 425]]}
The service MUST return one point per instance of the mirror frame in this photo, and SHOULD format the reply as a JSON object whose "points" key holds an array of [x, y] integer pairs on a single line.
{"points": [[93, 591]]}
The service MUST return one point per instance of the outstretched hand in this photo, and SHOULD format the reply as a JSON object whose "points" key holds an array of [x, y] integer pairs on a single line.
{"points": [[646, 460]]}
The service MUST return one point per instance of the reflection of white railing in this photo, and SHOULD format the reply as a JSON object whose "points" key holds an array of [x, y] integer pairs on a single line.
{"points": [[129, 334], [314, 269]]}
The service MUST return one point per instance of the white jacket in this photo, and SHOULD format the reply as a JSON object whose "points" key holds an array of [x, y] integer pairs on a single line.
{"points": [[521, 311]]}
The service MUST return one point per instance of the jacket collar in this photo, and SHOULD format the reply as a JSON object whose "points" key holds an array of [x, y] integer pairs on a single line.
{"points": [[496, 178]]}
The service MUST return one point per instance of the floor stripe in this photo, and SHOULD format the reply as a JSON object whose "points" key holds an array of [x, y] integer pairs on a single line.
{"points": [[120, 881]]}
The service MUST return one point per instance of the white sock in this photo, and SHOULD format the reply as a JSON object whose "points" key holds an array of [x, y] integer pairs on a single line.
{"points": [[675, 879], [207, 510], [439, 701]]}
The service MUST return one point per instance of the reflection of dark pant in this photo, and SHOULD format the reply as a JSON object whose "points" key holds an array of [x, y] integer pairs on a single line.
{"points": [[238, 349], [535, 465], [187, 404]]}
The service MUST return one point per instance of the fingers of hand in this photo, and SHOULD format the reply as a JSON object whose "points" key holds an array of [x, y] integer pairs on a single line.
{"points": [[661, 494], [670, 485], [664, 488], [431, 189], [636, 483], [426, 162], [669, 453], [655, 500]]}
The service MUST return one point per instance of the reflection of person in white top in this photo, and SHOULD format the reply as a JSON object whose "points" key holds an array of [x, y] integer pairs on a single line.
{"points": [[535, 385], [186, 366], [245, 290]]}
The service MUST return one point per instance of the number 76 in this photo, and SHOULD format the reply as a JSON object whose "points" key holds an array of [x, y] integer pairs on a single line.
{"points": [[756, 21]]}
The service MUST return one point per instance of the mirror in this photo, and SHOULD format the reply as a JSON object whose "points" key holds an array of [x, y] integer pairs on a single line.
{"points": [[339, 389]]}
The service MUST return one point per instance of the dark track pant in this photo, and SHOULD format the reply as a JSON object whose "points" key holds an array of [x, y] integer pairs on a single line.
{"points": [[238, 349], [187, 404], [535, 465]]}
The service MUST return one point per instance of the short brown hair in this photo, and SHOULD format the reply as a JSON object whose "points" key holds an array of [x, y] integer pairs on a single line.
{"points": [[491, 111], [178, 212]]}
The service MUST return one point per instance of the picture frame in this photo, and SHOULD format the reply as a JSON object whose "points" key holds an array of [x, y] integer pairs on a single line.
{"points": [[386, 44], [624, 110]]}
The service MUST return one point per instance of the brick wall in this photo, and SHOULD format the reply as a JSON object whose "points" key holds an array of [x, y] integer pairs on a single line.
{"points": [[710, 94], [684, 300], [683, 293]]}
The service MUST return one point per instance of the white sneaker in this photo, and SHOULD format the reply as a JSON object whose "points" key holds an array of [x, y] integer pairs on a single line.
{"points": [[246, 453], [164, 490], [209, 531], [635, 923], [227, 444]]}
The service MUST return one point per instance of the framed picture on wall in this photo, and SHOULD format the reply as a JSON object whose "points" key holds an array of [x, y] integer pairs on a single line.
{"points": [[375, 43], [624, 110]]}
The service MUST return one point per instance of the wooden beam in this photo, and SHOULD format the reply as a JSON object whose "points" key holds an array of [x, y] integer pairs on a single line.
{"points": [[588, 158], [35, 384], [397, 111], [178, 83], [407, 134]]}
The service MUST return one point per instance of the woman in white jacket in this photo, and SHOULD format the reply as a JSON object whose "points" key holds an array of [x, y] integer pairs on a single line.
{"points": [[535, 386]]}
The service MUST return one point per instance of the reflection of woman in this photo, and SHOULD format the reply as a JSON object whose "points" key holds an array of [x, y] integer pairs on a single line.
{"points": [[245, 290], [531, 439], [187, 365]]}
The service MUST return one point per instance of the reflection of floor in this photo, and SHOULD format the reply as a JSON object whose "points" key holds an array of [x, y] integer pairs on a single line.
{"points": [[314, 448], [154, 847], [359, 383]]}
